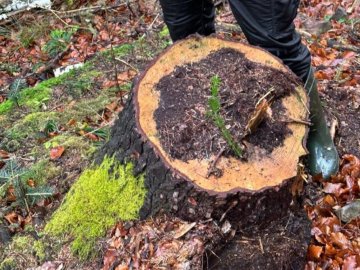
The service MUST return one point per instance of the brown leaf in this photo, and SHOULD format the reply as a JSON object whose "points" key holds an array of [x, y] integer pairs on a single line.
{"points": [[184, 228], [12, 217], [109, 258], [31, 182], [314, 252], [4, 154], [71, 122], [56, 152], [350, 263], [332, 188], [91, 136], [122, 267], [340, 240]]}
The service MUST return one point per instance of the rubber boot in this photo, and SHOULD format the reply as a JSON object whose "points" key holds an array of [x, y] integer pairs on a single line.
{"points": [[323, 156]]}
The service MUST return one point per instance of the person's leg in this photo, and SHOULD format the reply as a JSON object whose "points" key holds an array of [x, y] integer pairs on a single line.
{"points": [[186, 17], [269, 24]]}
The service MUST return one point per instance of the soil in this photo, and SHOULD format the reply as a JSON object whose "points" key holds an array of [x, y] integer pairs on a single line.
{"points": [[187, 132], [344, 105], [273, 247]]}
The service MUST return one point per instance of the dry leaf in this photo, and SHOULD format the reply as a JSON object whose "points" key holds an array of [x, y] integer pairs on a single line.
{"points": [[314, 252], [184, 228], [56, 152], [12, 217], [4, 154]]}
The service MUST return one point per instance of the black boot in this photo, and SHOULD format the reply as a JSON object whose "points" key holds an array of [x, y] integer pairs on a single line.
{"points": [[323, 156]]}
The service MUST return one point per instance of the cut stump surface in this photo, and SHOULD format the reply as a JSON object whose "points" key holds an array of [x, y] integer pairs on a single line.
{"points": [[258, 171]]}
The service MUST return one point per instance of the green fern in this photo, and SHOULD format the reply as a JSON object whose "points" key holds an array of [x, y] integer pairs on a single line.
{"points": [[50, 126], [11, 175], [15, 90], [215, 106], [59, 40]]}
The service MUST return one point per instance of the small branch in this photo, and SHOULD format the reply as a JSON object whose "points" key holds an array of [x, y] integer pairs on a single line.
{"points": [[212, 167], [302, 101], [51, 64], [302, 32], [57, 16], [333, 128], [355, 4], [298, 121], [126, 63], [344, 47], [261, 246], [151, 25], [233, 204]]}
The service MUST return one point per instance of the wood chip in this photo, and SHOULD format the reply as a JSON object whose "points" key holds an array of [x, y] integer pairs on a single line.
{"points": [[184, 229], [258, 116]]}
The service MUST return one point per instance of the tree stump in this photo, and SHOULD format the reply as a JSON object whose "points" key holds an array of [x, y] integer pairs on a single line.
{"points": [[254, 189]]}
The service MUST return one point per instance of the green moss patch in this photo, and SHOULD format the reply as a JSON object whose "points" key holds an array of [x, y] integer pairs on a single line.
{"points": [[32, 97], [33, 122], [32, 253], [101, 196]]}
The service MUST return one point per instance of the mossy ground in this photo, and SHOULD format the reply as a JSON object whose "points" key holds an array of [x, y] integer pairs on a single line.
{"points": [[74, 103], [29, 248], [101, 196]]}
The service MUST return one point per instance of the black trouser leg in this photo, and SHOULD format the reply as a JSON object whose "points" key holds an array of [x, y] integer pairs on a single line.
{"points": [[269, 24], [185, 17]]}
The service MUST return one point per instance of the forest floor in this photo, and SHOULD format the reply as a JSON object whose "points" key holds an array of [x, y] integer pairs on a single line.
{"points": [[51, 125]]}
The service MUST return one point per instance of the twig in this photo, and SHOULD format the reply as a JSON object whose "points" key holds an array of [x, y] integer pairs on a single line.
{"points": [[233, 204], [114, 58], [151, 25], [333, 128], [304, 33], [298, 121], [354, 5], [344, 47], [92, 8], [51, 64], [212, 167], [126, 63], [261, 246], [57, 16], [301, 100]]}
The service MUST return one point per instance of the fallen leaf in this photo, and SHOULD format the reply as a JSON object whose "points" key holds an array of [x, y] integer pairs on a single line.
{"points": [[184, 228], [4, 154], [350, 263], [31, 182], [332, 188], [12, 217], [71, 122], [56, 152], [340, 240], [314, 252]]}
